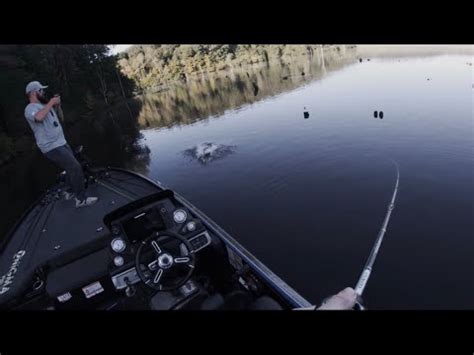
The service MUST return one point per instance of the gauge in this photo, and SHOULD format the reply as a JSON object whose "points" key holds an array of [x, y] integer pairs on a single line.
{"points": [[118, 260], [118, 245], [180, 216], [191, 226]]}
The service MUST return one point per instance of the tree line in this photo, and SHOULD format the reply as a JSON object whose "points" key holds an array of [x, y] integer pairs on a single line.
{"points": [[153, 65]]}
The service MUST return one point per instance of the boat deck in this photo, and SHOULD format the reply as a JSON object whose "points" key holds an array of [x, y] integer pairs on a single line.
{"points": [[54, 231]]}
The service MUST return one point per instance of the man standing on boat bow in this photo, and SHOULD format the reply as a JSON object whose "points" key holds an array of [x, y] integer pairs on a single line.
{"points": [[41, 116]]}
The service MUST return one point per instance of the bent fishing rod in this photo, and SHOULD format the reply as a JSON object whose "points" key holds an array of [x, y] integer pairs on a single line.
{"points": [[364, 277]]}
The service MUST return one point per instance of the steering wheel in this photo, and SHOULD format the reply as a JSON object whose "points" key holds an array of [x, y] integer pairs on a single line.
{"points": [[168, 264]]}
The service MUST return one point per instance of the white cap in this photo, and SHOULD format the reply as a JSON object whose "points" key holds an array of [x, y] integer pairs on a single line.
{"points": [[34, 86]]}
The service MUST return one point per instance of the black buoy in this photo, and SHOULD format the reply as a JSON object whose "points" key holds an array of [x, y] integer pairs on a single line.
{"points": [[381, 114], [305, 113], [360, 60], [302, 73], [368, 59], [375, 114]]}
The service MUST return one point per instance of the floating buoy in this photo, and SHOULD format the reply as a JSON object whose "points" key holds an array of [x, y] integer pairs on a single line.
{"points": [[302, 73], [305, 113], [360, 60], [381, 114], [375, 114]]}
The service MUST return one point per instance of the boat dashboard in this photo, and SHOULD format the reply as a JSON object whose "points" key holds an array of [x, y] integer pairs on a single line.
{"points": [[155, 243]]}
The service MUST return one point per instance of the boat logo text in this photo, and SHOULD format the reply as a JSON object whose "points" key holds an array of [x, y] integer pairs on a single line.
{"points": [[7, 279]]}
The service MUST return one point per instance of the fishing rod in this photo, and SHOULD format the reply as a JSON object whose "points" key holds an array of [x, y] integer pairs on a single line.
{"points": [[364, 277], [59, 110]]}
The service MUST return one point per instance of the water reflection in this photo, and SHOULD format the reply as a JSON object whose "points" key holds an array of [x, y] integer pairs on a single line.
{"points": [[212, 94]]}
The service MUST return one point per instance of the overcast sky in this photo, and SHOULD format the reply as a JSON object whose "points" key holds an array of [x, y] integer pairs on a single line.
{"points": [[117, 48]]}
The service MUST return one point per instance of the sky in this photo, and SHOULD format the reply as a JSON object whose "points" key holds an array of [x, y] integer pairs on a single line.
{"points": [[117, 48]]}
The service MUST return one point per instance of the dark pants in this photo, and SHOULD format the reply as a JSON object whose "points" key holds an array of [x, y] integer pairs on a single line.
{"points": [[65, 159]]}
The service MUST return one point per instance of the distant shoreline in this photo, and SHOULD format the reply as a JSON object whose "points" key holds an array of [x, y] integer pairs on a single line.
{"points": [[402, 49]]}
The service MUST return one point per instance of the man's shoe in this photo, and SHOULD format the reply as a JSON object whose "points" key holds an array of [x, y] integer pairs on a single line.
{"points": [[89, 201]]}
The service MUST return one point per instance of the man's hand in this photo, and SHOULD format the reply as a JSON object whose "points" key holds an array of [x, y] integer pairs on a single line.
{"points": [[41, 115], [344, 300], [56, 100]]}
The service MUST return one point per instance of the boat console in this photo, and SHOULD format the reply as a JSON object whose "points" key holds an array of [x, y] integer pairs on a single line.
{"points": [[152, 243]]}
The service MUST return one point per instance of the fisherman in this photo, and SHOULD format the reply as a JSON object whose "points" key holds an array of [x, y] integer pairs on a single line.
{"points": [[42, 117]]}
